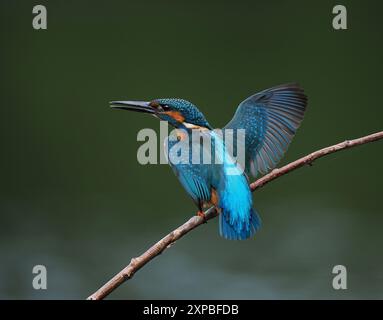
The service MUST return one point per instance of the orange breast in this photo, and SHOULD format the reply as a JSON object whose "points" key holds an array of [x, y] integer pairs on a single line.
{"points": [[214, 197], [214, 200]]}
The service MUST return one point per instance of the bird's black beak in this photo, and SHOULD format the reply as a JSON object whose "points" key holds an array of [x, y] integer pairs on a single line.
{"points": [[138, 106]]}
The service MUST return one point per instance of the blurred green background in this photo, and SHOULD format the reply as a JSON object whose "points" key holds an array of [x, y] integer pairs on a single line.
{"points": [[74, 198]]}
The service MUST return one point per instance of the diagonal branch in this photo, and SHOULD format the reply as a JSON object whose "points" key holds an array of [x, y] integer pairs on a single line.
{"points": [[138, 262]]}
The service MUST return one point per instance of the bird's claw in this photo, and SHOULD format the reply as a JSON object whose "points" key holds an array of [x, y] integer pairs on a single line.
{"points": [[202, 215]]}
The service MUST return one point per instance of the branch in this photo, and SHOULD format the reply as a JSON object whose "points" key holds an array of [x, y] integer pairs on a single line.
{"points": [[138, 262]]}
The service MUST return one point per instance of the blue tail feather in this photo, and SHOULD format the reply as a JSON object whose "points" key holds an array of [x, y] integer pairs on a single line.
{"points": [[238, 219], [239, 231]]}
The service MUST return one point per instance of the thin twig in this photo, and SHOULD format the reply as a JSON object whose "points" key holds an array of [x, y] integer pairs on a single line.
{"points": [[138, 262]]}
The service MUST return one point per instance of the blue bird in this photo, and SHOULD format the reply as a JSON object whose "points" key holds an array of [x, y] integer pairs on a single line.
{"points": [[269, 120]]}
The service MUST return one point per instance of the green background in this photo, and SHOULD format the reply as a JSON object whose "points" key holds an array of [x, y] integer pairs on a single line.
{"points": [[74, 198]]}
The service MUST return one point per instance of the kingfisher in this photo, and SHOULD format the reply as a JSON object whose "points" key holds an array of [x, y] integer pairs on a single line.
{"points": [[269, 120]]}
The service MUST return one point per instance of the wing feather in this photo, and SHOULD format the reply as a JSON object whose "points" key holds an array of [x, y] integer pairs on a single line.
{"points": [[271, 119]]}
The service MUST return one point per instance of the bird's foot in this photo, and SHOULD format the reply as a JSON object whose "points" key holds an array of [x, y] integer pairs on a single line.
{"points": [[202, 215]]}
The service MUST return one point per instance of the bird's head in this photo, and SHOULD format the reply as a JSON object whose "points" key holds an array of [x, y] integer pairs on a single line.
{"points": [[178, 112]]}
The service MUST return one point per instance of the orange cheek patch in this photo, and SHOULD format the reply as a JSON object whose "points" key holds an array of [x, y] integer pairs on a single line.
{"points": [[175, 115]]}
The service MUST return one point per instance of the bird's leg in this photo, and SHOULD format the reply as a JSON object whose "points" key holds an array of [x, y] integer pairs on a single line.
{"points": [[201, 214]]}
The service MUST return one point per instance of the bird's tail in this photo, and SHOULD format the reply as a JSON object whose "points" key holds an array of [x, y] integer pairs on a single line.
{"points": [[234, 230]]}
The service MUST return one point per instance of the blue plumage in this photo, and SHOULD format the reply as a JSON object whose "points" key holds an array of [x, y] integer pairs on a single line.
{"points": [[269, 118], [232, 232], [237, 220]]}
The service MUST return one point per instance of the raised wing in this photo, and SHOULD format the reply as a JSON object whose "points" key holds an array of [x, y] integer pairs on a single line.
{"points": [[270, 118]]}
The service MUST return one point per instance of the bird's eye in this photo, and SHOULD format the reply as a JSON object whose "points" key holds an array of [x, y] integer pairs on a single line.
{"points": [[158, 106], [162, 107]]}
